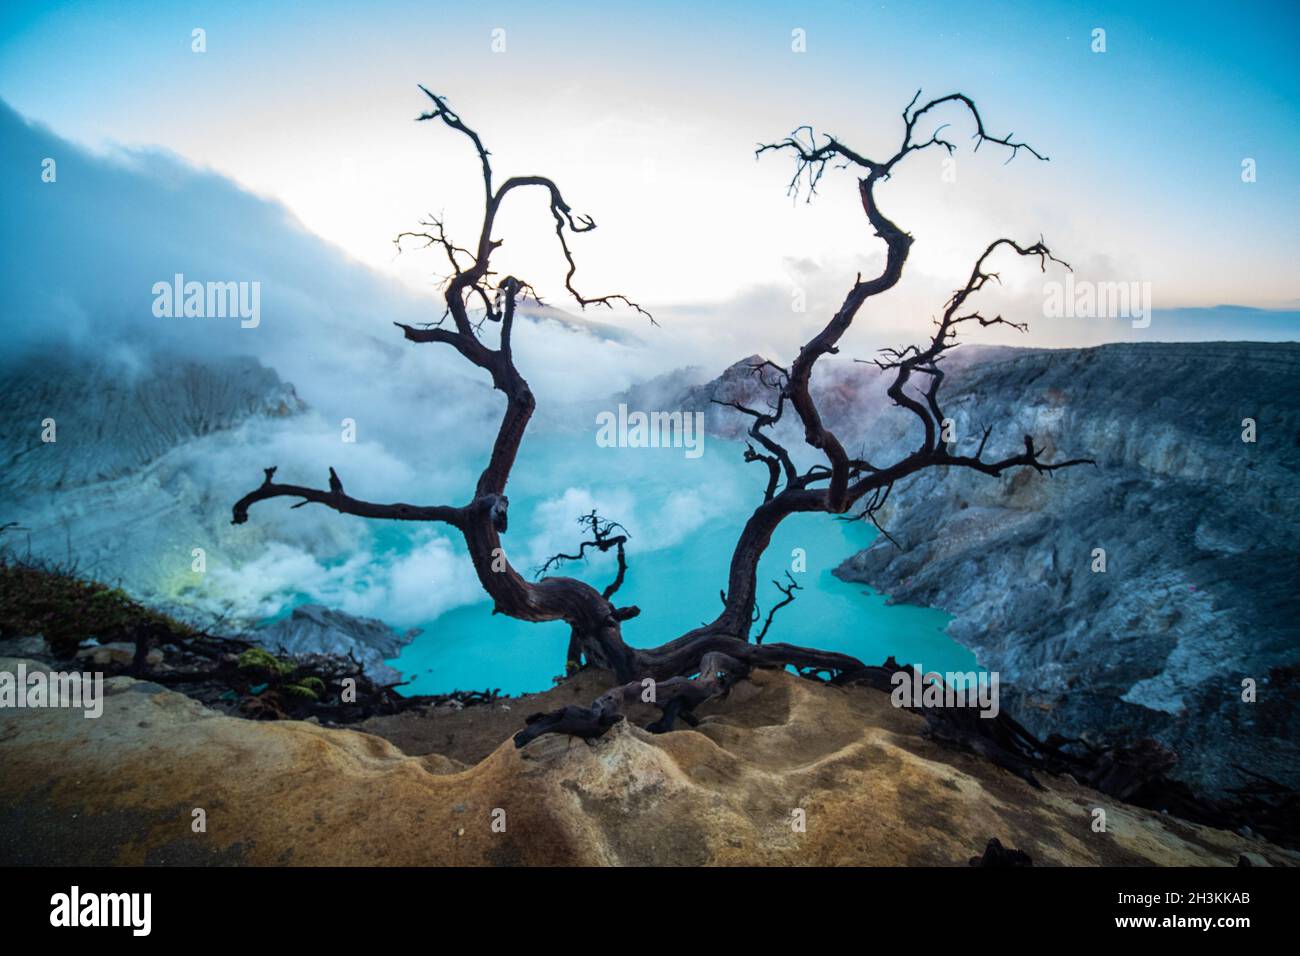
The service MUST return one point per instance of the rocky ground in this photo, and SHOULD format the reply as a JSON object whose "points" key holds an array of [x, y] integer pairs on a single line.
{"points": [[424, 788]]}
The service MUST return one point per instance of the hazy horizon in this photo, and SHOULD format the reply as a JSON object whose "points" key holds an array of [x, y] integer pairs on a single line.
{"points": [[1145, 183]]}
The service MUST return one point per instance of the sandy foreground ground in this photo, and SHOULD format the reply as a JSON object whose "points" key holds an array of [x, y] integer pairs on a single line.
{"points": [[784, 772]]}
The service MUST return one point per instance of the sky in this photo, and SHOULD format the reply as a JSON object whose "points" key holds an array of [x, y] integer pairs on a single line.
{"points": [[648, 121]]}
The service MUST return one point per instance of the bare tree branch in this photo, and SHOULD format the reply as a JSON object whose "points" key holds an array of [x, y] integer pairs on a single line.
{"points": [[786, 589], [335, 498], [849, 479], [704, 663], [602, 539]]}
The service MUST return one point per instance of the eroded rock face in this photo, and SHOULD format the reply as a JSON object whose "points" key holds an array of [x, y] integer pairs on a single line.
{"points": [[1202, 583], [122, 789], [850, 396], [313, 629], [114, 423]]}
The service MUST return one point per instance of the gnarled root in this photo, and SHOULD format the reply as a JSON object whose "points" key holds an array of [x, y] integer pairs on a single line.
{"points": [[675, 697]]}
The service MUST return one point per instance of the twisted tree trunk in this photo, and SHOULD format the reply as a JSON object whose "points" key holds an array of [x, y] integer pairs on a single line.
{"points": [[707, 661]]}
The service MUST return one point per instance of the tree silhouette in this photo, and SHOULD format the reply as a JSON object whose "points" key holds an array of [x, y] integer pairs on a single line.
{"points": [[707, 661]]}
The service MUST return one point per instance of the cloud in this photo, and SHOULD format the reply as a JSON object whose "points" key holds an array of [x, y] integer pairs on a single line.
{"points": [[404, 586], [80, 257], [656, 519]]}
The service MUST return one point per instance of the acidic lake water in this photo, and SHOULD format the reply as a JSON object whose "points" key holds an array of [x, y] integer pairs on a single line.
{"points": [[684, 516]]}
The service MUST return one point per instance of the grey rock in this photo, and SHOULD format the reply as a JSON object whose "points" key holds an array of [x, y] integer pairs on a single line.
{"points": [[1202, 583], [313, 629]]}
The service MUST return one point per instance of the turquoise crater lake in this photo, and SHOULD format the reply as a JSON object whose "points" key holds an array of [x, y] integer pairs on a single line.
{"points": [[684, 516]]}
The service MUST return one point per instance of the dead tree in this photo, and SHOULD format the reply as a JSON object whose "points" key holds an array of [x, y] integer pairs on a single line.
{"points": [[708, 660]]}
